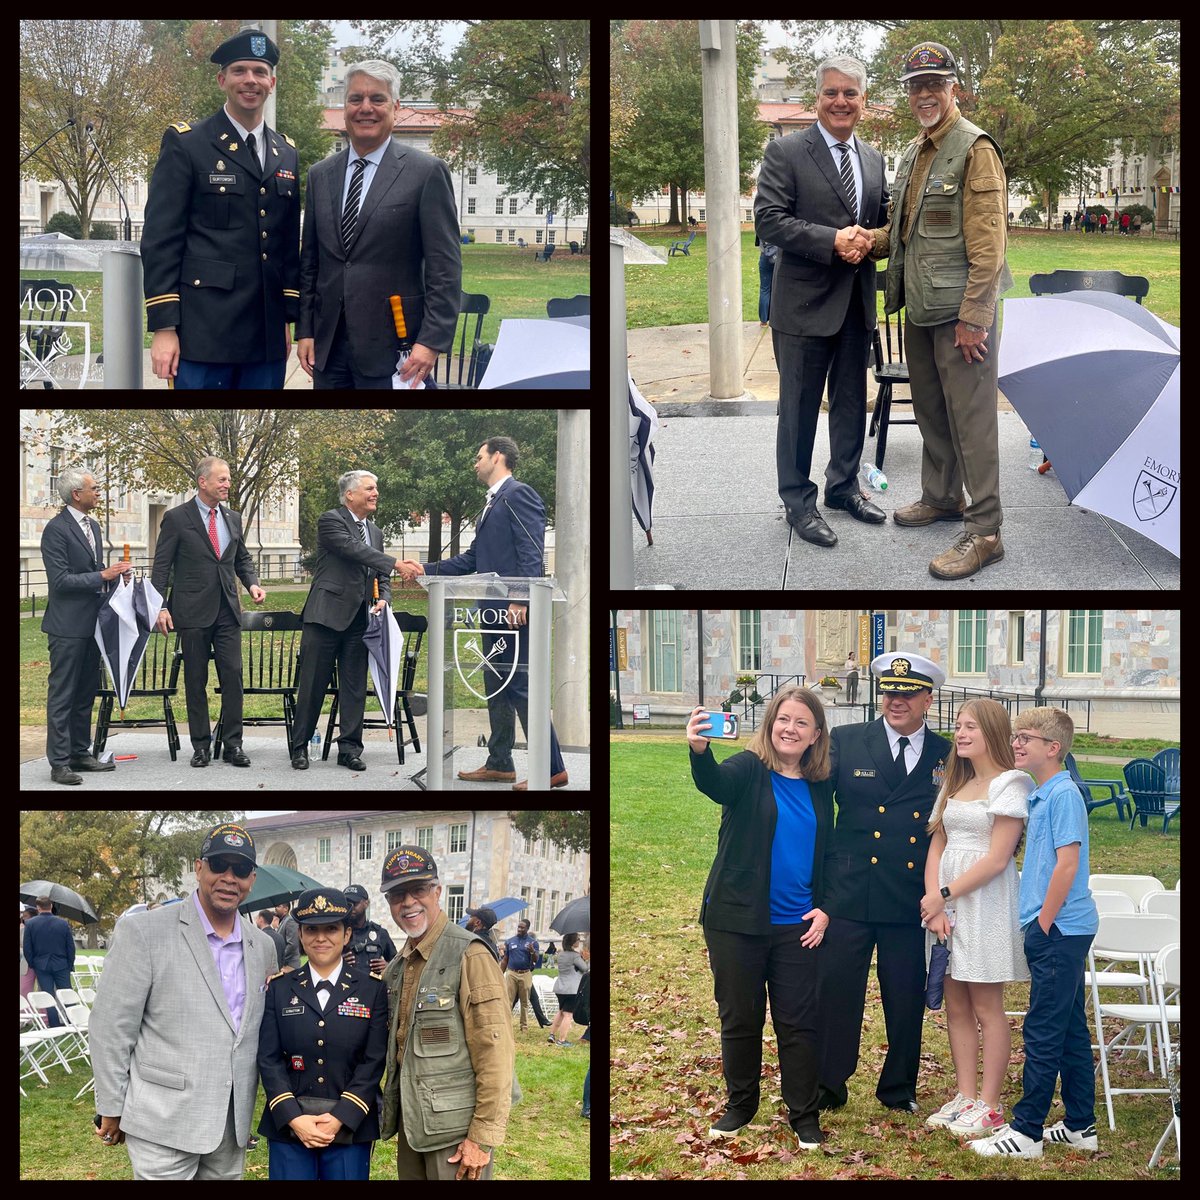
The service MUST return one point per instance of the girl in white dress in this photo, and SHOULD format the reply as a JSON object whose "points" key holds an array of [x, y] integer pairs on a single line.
{"points": [[976, 825]]}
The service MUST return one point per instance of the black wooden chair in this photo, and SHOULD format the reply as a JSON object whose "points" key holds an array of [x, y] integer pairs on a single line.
{"points": [[887, 374]]}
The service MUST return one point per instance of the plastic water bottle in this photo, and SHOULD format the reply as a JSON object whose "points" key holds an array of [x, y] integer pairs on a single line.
{"points": [[1035, 454], [314, 745], [873, 477]]}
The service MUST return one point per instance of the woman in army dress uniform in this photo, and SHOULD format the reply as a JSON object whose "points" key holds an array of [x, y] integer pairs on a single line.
{"points": [[321, 1052]]}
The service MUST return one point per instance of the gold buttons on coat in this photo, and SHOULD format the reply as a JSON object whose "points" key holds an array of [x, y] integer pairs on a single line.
{"points": [[874, 861], [877, 833], [910, 866], [882, 809]]}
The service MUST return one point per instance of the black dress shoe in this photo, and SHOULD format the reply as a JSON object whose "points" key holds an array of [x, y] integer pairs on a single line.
{"points": [[300, 759], [352, 761], [812, 528], [91, 764], [201, 757], [236, 756], [63, 775], [860, 508]]}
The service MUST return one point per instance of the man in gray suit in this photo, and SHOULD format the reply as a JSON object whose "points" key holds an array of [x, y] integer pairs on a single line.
{"points": [[76, 580], [174, 1031], [814, 188], [349, 556], [379, 221]]}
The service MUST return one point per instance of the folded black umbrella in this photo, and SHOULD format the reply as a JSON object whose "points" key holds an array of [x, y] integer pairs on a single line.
{"points": [[939, 960]]}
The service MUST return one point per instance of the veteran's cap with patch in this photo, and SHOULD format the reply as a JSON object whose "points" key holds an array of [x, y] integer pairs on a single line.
{"points": [[407, 864], [929, 58], [228, 839], [904, 673]]}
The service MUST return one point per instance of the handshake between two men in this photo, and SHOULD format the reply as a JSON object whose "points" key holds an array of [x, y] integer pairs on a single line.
{"points": [[853, 243]]}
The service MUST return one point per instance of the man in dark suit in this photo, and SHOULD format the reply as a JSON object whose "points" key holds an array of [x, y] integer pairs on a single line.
{"points": [[349, 556], [886, 775], [509, 539], [77, 581], [201, 542], [379, 221], [813, 190]]}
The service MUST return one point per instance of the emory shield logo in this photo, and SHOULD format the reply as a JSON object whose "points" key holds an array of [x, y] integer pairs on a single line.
{"points": [[1151, 496], [475, 667]]}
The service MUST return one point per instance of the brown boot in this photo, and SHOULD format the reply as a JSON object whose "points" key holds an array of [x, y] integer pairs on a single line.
{"points": [[972, 552], [925, 514]]}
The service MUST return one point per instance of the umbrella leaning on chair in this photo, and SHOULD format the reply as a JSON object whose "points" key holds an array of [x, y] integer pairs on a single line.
{"points": [[1095, 377]]}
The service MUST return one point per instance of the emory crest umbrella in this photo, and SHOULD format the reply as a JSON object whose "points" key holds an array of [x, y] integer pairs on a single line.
{"points": [[123, 624], [1095, 377], [385, 653]]}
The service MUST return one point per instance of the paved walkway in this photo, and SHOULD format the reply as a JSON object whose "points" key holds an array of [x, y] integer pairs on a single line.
{"points": [[718, 520]]}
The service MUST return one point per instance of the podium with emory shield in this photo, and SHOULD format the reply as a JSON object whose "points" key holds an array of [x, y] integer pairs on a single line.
{"points": [[474, 654]]}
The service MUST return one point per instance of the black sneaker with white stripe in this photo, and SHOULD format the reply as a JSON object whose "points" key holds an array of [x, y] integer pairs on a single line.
{"points": [[730, 1125]]}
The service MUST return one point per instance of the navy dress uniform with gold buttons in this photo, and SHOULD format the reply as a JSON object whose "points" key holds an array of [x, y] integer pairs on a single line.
{"points": [[334, 1054], [874, 884], [221, 245]]}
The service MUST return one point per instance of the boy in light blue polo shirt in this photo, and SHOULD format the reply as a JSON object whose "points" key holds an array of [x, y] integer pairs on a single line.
{"points": [[1058, 919]]}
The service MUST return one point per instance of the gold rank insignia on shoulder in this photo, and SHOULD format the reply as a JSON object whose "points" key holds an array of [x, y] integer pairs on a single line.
{"points": [[288, 140], [181, 127]]}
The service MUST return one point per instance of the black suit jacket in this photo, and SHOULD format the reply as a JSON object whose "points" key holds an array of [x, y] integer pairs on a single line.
{"points": [[737, 895], [880, 843], [800, 206], [344, 570], [405, 243], [185, 560], [73, 575]]}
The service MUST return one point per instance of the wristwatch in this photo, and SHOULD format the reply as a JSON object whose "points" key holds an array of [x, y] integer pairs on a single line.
{"points": [[945, 893]]}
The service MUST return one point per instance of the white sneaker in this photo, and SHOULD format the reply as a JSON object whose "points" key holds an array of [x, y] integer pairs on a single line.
{"points": [[980, 1118], [949, 1111], [1010, 1142], [1078, 1139]]}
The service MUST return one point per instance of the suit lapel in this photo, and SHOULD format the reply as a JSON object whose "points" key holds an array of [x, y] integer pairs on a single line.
{"points": [[822, 156]]}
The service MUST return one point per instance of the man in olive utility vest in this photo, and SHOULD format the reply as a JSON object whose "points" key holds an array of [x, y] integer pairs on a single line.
{"points": [[947, 269], [449, 1085]]}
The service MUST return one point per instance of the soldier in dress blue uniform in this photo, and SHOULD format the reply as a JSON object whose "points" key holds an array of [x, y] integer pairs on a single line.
{"points": [[321, 1052], [886, 775], [221, 245]]}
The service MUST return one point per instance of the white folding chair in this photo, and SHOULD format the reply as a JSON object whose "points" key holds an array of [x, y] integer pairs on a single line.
{"points": [[1167, 969], [1132, 885], [1161, 902], [1140, 935]]}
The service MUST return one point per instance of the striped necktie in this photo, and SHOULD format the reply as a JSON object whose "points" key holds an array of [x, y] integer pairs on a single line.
{"points": [[848, 177], [350, 215]]}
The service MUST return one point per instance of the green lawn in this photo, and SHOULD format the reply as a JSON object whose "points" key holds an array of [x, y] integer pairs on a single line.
{"points": [[666, 1065], [677, 293]]}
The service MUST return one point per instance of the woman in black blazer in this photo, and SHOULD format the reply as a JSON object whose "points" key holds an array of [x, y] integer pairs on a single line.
{"points": [[761, 911]]}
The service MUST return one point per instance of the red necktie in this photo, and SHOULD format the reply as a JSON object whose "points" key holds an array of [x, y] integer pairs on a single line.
{"points": [[212, 532]]}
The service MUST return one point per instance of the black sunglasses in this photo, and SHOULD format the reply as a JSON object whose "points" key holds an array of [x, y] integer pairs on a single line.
{"points": [[241, 867]]}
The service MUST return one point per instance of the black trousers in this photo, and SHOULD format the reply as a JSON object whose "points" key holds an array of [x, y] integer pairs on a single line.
{"points": [[746, 967], [512, 702], [224, 636], [842, 993], [70, 694], [804, 364], [319, 648]]}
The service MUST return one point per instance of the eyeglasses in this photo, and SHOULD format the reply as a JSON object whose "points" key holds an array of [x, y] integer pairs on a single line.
{"points": [[1022, 739], [242, 868], [914, 87], [419, 892]]}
